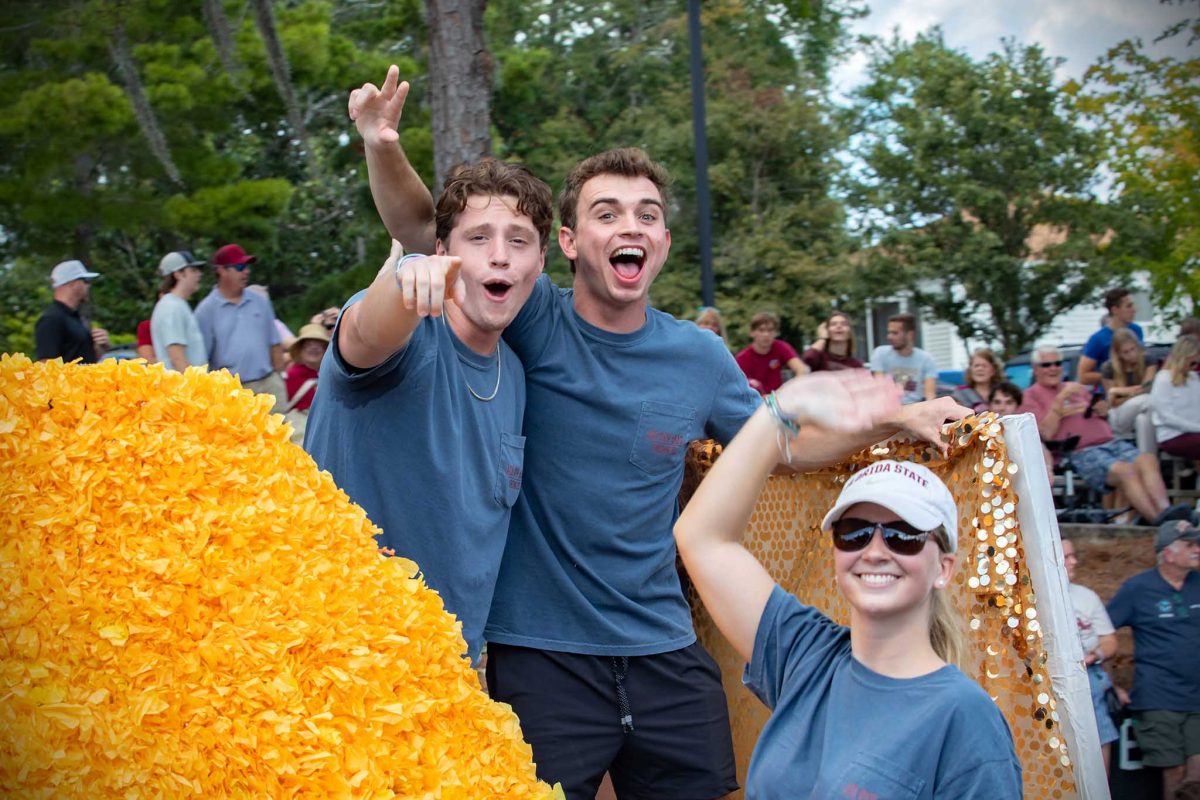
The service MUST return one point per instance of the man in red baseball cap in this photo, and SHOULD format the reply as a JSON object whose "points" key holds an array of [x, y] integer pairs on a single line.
{"points": [[239, 326]]}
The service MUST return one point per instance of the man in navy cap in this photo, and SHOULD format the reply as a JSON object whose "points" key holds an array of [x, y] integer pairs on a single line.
{"points": [[60, 331], [1162, 606], [239, 326]]}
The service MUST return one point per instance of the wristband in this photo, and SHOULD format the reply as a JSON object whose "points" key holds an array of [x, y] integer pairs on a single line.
{"points": [[400, 262]]}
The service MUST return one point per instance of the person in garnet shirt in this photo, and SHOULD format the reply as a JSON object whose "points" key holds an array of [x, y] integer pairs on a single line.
{"points": [[307, 352], [763, 361]]}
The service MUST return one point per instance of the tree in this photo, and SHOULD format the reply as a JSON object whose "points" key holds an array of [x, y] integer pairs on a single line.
{"points": [[576, 78], [1149, 112], [975, 186], [177, 135], [460, 78]]}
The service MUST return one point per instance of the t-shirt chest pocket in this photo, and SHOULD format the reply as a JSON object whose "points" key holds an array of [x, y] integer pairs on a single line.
{"points": [[510, 469], [870, 777], [663, 432]]}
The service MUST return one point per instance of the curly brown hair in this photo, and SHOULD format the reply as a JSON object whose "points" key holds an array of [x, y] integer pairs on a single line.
{"points": [[491, 178]]}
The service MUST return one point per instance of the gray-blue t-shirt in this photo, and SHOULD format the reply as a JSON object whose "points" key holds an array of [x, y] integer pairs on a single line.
{"points": [[238, 336], [590, 562], [909, 372], [433, 466], [1166, 639], [174, 323], [839, 729]]}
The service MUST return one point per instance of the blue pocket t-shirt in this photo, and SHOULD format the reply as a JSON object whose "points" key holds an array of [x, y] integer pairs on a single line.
{"points": [[841, 730], [590, 562], [436, 468]]}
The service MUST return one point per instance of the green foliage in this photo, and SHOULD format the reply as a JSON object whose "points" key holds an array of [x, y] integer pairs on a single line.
{"points": [[1148, 110], [976, 189], [79, 179], [576, 78]]}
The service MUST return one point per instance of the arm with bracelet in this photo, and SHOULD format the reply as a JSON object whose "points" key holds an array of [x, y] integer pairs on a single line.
{"points": [[406, 289]]}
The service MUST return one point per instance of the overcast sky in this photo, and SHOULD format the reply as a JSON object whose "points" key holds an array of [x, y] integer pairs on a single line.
{"points": [[1078, 30]]}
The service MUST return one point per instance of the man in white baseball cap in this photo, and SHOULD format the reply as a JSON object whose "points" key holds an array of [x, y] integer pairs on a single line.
{"points": [[60, 331], [178, 342]]}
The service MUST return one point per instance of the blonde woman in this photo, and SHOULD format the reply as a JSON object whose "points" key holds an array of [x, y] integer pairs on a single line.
{"points": [[709, 318], [984, 373], [876, 709], [1175, 401], [1127, 379]]}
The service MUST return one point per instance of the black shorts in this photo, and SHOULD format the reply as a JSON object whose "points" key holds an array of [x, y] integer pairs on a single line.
{"points": [[657, 724]]}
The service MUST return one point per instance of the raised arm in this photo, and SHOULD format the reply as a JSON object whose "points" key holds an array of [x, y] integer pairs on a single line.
{"points": [[403, 201], [384, 320], [732, 583], [820, 447]]}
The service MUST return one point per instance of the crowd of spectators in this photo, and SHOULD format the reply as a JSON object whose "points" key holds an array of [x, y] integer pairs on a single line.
{"points": [[1123, 416], [234, 327]]}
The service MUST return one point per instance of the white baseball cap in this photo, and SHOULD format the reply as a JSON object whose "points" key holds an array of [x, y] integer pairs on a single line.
{"points": [[909, 490], [68, 271]]}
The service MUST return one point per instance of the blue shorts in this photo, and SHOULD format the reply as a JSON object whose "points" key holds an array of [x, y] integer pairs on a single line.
{"points": [[1093, 463], [1100, 683]]}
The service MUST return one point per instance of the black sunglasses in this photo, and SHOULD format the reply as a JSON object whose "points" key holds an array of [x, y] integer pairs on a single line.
{"points": [[238, 267], [1045, 364], [851, 535]]}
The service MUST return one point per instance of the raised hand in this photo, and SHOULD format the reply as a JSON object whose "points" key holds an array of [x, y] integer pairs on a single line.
{"points": [[376, 111], [427, 283], [849, 401], [100, 338]]}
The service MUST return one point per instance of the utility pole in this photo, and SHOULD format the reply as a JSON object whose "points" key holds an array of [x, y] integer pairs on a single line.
{"points": [[700, 134]]}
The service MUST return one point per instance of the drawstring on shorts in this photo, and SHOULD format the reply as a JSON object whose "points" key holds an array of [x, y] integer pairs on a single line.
{"points": [[620, 668]]}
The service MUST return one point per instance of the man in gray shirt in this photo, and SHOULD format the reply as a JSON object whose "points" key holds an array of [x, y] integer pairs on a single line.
{"points": [[913, 370], [239, 327], [178, 342]]}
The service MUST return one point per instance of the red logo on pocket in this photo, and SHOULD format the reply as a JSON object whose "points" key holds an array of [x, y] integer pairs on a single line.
{"points": [[663, 443], [514, 476]]}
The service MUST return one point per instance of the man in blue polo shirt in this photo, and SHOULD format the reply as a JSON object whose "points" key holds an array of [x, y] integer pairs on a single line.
{"points": [[1121, 311], [239, 327], [1162, 606]]}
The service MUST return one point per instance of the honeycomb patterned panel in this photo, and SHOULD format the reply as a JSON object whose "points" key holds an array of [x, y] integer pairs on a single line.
{"points": [[991, 588]]}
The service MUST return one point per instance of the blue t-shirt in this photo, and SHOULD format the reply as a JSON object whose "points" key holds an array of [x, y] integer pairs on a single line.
{"points": [[434, 467], [909, 372], [1099, 344], [840, 730], [590, 562], [1166, 640]]}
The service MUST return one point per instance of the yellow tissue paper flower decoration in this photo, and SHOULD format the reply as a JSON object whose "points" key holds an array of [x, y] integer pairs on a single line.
{"points": [[188, 608]]}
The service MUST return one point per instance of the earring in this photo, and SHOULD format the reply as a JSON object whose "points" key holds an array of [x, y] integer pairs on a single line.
{"points": [[939, 584]]}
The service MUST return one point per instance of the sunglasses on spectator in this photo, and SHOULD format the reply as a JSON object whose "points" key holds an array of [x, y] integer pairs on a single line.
{"points": [[851, 535], [238, 267], [1047, 364]]}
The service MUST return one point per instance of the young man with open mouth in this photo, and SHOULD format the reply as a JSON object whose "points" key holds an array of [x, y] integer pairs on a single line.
{"points": [[419, 418]]}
